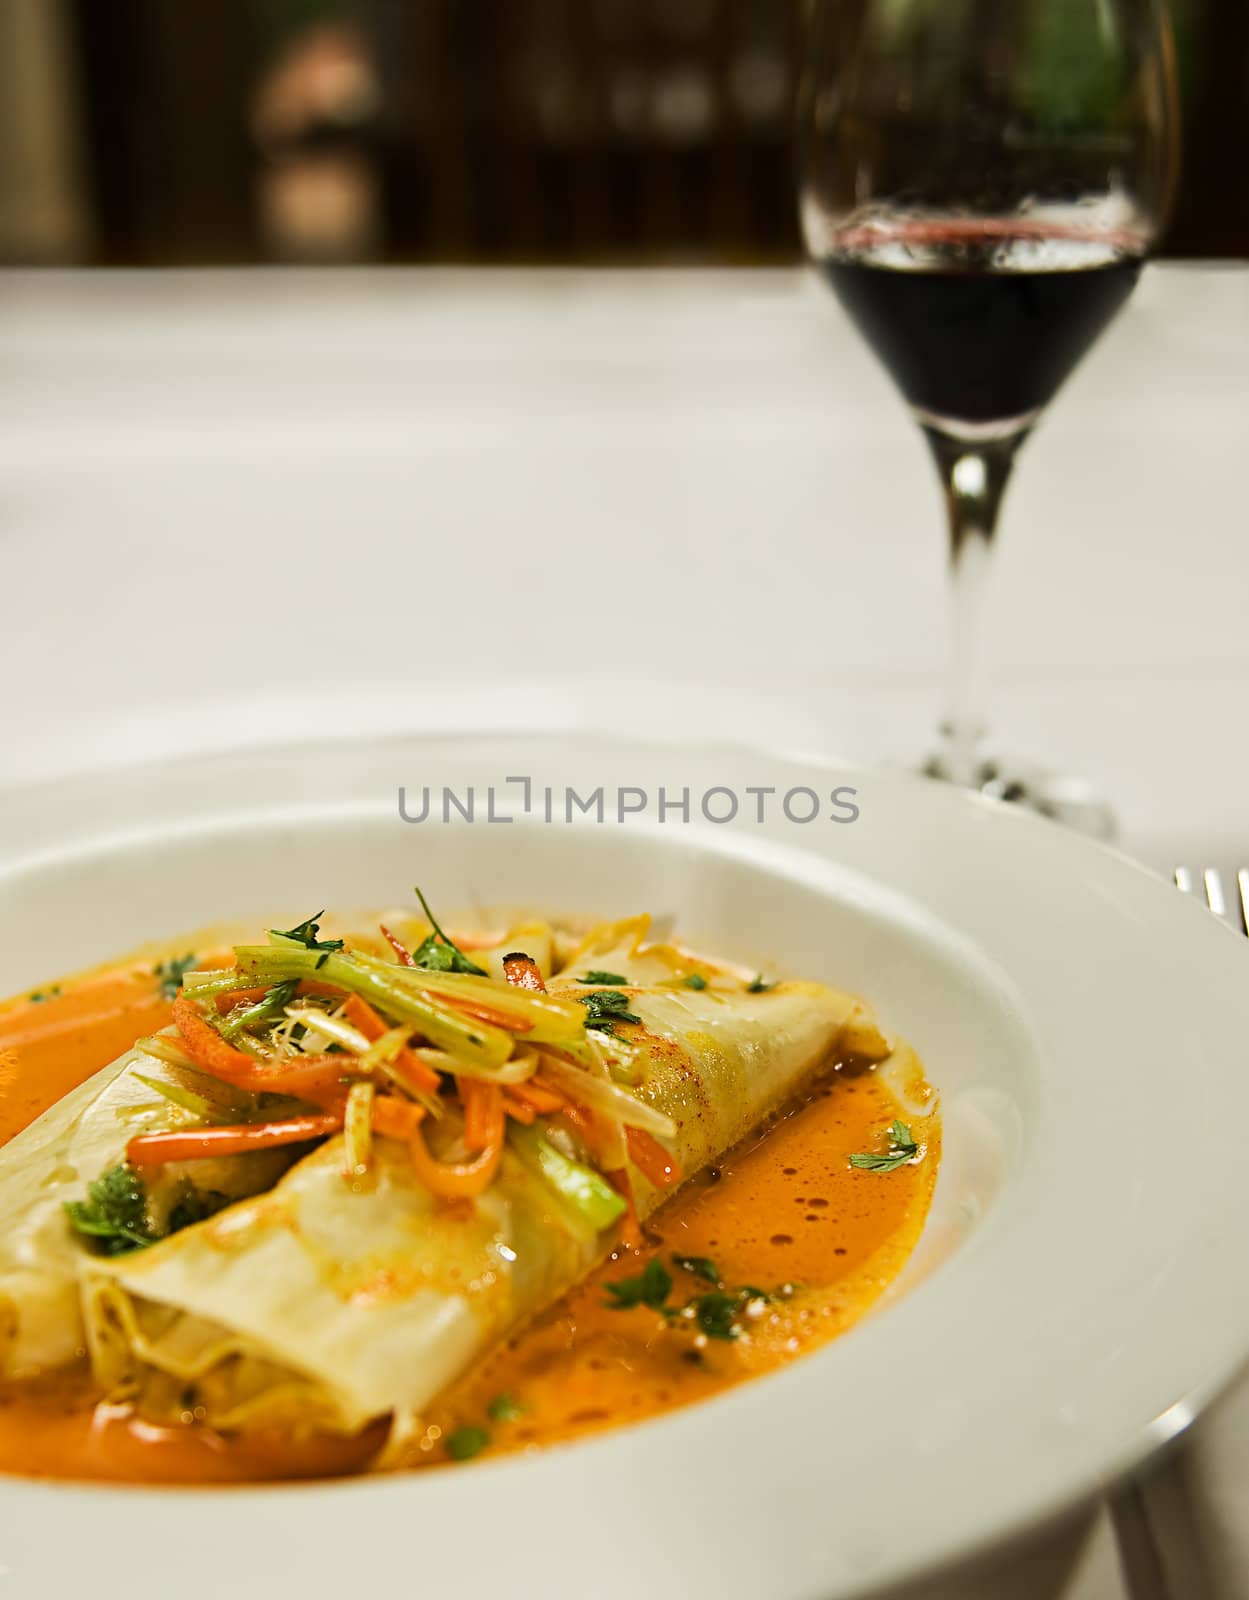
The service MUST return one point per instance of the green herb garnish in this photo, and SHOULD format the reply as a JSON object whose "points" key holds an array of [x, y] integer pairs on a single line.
{"points": [[651, 1287], [757, 985], [38, 996], [695, 981], [440, 954], [607, 1007], [465, 1443], [267, 1009], [902, 1148], [505, 1408], [114, 1212], [307, 933], [603, 977], [715, 1315], [196, 1205], [170, 974], [702, 1268]]}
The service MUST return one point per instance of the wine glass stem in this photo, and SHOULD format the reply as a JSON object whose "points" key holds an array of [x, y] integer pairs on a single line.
{"points": [[974, 474]]}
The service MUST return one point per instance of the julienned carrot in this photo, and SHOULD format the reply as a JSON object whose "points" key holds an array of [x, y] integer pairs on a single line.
{"points": [[481, 1012], [398, 946], [453, 1181], [240, 997], [538, 1096], [416, 1075], [237, 997], [651, 1159], [631, 1233], [483, 1113], [517, 1108], [522, 972], [308, 1077], [394, 1118], [201, 1144]]}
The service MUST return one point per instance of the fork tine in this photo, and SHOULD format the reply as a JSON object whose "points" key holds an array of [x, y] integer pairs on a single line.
{"points": [[1213, 885], [1242, 883], [1183, 880]]}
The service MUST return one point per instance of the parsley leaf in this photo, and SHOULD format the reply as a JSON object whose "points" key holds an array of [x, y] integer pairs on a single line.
{"points": [[702, 1268], [114, 1212], [465, 1443], [38, 996], [757, 985], [606, 1007], [440, 954], [651, 1287], [267, 1009], [196, 1205], [505, 1408], [902, 1148], [603, 977], [716, 1313], [170, 974], [695, 981], [306, 933]]}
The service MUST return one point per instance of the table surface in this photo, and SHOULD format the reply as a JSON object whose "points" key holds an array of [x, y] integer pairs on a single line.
{"points": [[239, 503]]}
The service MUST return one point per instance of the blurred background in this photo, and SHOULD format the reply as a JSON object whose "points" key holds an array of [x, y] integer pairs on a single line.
{"points": [[174, 132]]}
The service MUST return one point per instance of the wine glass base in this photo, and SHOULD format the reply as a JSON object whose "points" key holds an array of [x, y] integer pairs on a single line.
{"points": [[1072, 801]]}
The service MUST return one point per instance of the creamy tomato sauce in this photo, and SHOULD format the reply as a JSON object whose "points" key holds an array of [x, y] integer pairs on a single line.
{"points": [[784, 1213]]}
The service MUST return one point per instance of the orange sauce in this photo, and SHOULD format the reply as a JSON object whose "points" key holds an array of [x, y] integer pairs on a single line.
{"points": [[785, 1213]]}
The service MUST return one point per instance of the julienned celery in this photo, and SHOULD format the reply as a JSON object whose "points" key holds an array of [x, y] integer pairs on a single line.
{"points": [[460, 1036], [550, 1019], [587, 1191]]}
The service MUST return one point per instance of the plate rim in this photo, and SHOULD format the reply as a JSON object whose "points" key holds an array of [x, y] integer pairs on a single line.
{"points": [[956, 1550]]}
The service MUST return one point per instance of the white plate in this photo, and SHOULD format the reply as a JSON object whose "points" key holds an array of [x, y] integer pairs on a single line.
{"points": [[1087, 1287]]}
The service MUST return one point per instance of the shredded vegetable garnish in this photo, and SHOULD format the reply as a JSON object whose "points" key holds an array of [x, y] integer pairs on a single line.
{"points": [[586, 1190], [397, 945], [201, 1144], [600, 1094], [439, 953], [358, 1130], [184, 1099], [387, 1047], [265, 1008], [454, 1180]]}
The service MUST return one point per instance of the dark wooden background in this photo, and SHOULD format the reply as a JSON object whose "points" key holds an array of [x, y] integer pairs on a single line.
{"points": [[508, 130]]}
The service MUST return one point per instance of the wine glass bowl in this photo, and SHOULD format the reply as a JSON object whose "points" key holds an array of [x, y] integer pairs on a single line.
{"points": [[980, 182]]}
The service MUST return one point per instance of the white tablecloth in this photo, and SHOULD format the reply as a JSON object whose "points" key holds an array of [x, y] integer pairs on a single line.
{"points": [[240, 505]]}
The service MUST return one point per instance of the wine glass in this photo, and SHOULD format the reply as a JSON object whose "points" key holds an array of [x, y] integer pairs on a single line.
{"points": [[980, 183]]}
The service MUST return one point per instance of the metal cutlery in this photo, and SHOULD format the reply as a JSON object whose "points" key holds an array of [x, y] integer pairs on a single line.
{"points": [[1231, 902]]}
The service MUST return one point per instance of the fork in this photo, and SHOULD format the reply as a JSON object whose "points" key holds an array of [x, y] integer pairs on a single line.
{"points": [[1233, 906], [1168, 1565]]}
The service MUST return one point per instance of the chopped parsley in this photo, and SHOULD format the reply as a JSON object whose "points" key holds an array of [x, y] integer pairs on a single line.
{"points": [[196, 1205], [114, 1212], [307, 933], [702, 1268], [606, 1007], [505, 1408], [757, 985], [603, 977], [651, 1287], [465, 1443], [902, 1148], [437, 953], [695, 981], [38, 996], [170, 974], [715, 1314]]}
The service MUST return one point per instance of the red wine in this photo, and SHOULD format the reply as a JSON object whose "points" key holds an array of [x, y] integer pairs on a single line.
{"points": [[980, 321]]}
